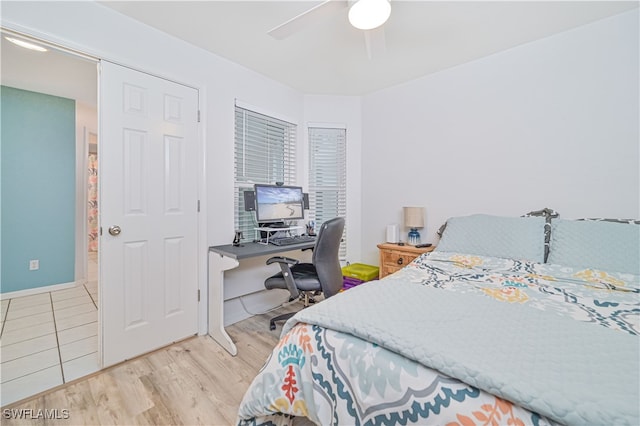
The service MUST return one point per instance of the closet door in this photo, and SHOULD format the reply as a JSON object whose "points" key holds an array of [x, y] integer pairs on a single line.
{"points": [[148, 196]]}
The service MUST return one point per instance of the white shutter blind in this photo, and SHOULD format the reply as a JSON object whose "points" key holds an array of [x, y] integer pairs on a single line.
{"points": [[264, 153], [328, 177]]}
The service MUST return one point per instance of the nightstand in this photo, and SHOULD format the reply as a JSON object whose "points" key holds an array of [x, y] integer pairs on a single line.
{"points": [[394, 257]]}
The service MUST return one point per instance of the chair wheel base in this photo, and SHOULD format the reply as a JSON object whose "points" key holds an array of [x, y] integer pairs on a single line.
{"points": [[283, 317]]}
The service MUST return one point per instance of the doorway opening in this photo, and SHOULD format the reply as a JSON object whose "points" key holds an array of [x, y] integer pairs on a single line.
{"points": [[49, 325]]}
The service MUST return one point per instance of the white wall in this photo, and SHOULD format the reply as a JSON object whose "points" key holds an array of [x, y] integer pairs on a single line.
{"points": [[552, 123]]}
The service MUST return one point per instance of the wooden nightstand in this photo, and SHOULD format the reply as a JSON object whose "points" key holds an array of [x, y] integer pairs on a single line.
{"points": [[394, 257]]}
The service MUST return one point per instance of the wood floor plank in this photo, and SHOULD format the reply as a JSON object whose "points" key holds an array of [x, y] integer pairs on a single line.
{"points": [[109, 401], [136, 397], [159, 414], [79, 402]]}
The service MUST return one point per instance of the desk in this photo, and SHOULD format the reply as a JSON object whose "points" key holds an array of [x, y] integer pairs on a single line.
{"points": [[225, 257]]}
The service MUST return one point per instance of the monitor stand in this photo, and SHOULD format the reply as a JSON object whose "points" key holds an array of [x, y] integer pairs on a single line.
{"points": [[265, 226], [276, 225], [269, 229]]}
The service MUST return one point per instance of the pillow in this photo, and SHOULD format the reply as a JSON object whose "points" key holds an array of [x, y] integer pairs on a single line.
{"points": [[603, 245], [495, 236]]}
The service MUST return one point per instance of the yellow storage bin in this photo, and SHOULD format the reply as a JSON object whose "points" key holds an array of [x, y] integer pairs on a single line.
{"points": [[361, 271]]}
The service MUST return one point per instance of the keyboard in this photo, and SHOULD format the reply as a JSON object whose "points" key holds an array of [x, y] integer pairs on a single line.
{"points": [[286, 241]]}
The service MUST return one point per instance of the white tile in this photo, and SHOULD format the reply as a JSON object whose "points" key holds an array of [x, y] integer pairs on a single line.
{"points": [[68, 294], [67, 303], [29, 364], [79, 348], [77, 333], [19, 312], [33, 300], [11, 337], [80, 367], [76, 320], [27, 347], [31, 384], [75, 310], [29, 321]]}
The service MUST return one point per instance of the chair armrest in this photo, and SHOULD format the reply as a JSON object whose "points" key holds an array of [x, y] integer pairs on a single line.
{"points": [[285, 266], [281, 259]]}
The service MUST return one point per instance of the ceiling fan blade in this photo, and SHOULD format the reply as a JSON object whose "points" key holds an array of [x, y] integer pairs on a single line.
{"points": [[307, 18], [375, 42]]}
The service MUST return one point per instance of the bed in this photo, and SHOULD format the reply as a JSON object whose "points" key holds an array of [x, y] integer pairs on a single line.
{"points": [[514, 321]]}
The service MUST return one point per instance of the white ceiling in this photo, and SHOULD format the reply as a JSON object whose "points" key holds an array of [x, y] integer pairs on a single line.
{"points": [[328, 56]]}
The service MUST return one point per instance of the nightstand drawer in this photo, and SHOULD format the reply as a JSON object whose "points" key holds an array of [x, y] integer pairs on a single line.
{"points": [[397, 258], [394, 257]]}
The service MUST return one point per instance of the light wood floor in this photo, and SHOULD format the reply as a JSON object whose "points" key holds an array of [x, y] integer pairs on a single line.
{"points": [[191, 382]]}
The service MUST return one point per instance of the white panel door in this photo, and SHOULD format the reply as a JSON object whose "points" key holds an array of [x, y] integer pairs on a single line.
{"points": [[148, 192]]}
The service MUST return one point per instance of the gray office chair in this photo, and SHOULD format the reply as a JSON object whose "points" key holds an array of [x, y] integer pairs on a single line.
{"points": [[304, 280]]}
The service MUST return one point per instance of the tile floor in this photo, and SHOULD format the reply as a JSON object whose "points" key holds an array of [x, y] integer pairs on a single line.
{"points": [[48, 339]]}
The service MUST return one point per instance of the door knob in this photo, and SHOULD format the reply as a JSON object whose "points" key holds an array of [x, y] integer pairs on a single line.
{"points": [[115, 230]]}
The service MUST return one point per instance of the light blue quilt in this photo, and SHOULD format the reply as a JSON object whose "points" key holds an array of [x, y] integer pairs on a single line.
{"points": [[560, 342]]}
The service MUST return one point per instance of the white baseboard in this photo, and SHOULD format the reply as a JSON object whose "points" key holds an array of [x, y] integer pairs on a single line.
{"points": [[38, 290]]}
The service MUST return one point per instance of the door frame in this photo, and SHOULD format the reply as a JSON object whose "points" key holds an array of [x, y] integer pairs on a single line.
{"points": [[82, 198], [86, 52]]}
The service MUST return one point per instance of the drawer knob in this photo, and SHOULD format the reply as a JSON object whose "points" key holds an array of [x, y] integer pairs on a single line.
{"points": [[400, 261]]}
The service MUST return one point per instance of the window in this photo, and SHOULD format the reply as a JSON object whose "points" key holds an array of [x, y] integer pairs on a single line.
{"points": [[328, 177], [264, 153]]}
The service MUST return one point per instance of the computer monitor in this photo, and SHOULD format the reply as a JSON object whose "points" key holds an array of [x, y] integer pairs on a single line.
{"points": [[277, 203]]}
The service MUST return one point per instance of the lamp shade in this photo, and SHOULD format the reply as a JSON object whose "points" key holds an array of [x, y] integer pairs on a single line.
{"points": [[369, 14], [414, 217]]}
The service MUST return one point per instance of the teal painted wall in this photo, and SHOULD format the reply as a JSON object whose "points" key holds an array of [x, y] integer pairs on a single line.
{"points": [[38, 189]]}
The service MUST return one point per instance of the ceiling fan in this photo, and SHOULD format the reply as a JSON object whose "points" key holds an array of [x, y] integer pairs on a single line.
{"points": [[365, 15]]}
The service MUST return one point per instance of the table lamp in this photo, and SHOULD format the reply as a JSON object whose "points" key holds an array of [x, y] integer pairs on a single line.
{"points": [[414, 219]]}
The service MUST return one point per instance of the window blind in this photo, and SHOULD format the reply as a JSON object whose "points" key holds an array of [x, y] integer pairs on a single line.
{"points": [[328, 177], [264, 153]]}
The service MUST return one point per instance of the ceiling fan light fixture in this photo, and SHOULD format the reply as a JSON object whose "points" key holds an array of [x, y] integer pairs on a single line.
{"points": [[369, 14], [26, 44]]}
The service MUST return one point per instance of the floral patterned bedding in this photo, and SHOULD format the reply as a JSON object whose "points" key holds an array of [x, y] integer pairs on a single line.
{"points": [[332, 377], [610, 299]]}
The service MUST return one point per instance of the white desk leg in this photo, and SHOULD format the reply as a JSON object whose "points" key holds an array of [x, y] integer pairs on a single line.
{"points": [[217, 265]]}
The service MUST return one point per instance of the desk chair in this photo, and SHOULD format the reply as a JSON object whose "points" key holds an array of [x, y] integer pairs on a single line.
{"points": [[306, 279]]}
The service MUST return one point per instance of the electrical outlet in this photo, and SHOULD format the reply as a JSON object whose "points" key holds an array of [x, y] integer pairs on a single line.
{"points": [[34, 265]]}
